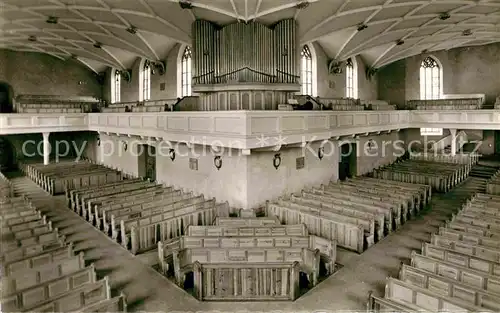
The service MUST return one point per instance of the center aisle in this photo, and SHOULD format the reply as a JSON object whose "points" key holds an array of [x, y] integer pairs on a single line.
{"points": [[348, 289]]}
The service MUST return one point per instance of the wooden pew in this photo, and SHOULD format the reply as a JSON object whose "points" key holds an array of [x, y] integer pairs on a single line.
{"points": [[142, 209], [349, 236], [48, 290], [457, 235], [483, 252], [76, 299], [425, 190], [15, 265], [461, 259], [102, 214], [368, 225], [146, 232], [186, 260], [449, 287], [392, 218], [146, 196], [399, 210], [25, 279], [348, 210], [183, 205], [71, 194], [462, 274], [472, 229], [116, 304], [410, 200], [423, 299], [25, 243], [246, 222]]}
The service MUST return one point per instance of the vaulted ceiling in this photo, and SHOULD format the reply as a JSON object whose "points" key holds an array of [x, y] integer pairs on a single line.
{"points": [[114, 33]]}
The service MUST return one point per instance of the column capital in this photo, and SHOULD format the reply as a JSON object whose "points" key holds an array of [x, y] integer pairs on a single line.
{"points": [[46, 135], [453, 131]]}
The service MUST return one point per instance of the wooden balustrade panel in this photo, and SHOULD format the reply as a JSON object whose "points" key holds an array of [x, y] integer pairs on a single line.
{"points": [[247, 282]]}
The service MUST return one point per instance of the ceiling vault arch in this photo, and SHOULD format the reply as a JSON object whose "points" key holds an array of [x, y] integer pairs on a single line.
{"points": [[115, 33]]}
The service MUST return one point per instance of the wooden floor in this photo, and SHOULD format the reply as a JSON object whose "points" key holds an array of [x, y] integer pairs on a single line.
{"points": [[147, 290]]}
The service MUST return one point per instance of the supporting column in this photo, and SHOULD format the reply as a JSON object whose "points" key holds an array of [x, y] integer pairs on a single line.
{"points": [[453, 133], [46, 148]]}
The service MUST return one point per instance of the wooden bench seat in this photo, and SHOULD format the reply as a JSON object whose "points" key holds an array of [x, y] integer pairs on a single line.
{"points": [[459, 273], [167, 202], [71, 194], [368, 225], [449, 287], [25, 226], [32, 261], [246, 222], [461, 259], [25, 279], [143, 233], [392, 218], [31, 240], [381, 198], [90, 204], [483, 252], [423, 299], [116, 304], [348, 209], [493, 242], [48, 290], [347, 235], [76, 299]]}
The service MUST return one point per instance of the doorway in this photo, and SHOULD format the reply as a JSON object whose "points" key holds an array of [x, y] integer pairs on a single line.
{"points": [[6, 94], [497, 142], [147, 162], [347, 161], [7, 155]]}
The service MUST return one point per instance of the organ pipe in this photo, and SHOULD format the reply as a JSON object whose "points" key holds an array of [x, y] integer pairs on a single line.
{"points": [[242, 52]]}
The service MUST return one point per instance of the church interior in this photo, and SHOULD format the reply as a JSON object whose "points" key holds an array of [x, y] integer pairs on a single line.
{"points": [[249, 155]]}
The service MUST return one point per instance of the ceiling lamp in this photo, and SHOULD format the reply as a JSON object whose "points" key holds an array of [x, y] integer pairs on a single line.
{"points": [[132, 30], [32, 38], [467, 32], [52, 20], [186, 5], [400, 42], [362, 27], [98, 45], [444, 16], [302, 5]]}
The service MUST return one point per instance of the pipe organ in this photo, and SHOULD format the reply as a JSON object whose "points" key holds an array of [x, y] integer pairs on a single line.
{"points": [[245, 53], [245, 66]]}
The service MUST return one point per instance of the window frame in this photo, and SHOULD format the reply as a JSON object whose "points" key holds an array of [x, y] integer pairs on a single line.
{"points": [[186, 72], [431, 78], [306, 71]]}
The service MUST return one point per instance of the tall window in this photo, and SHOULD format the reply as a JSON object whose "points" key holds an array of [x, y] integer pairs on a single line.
{"points": [[117, 86], [186, 72], [430, 79], [146, 81], [350, 86], [307, 72]]}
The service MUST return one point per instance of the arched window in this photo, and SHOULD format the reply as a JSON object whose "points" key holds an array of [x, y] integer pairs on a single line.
{"points": [[117, 86], [146, 81], [430, 79], [351, 86], [307, 71], [186, 72]]}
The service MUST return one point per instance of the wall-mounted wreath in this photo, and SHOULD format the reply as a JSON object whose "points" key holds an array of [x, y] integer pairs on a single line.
{"points": [[218, 162], [277, 160]]}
